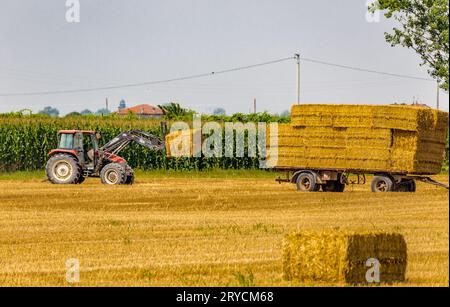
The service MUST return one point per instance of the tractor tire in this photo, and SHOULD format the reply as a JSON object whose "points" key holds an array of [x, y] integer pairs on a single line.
{"points": [[82, 179], [333, 186], [130, 176], [130, 179], [382, 184], [306, 182], [113, 173], [63, 169]]}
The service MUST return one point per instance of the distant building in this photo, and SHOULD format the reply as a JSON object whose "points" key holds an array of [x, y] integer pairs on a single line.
{"points": [[122, 105], [142, 111]]}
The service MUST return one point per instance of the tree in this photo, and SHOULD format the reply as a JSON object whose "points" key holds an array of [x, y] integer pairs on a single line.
{"points": [[102, 112], [285, 113], [219, 111], [73, 114], [423, 28], [175, 111], [86, 112], [50, 111]]}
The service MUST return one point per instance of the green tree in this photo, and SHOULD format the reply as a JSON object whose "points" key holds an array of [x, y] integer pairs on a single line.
{"points": [[219, 111], [86, 112], [50, 111], [175, 111], [73, 114], [423, 28], [102, 112]]}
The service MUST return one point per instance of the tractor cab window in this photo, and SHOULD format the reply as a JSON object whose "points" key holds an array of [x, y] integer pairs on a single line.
{"points": [[66, 141], [88, 148]]}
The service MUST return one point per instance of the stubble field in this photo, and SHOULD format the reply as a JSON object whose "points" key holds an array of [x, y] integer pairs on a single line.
{"points": [[197, 230]]}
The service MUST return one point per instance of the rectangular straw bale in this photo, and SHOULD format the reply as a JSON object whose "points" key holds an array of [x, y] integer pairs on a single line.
{"points": [[340, 256], [401, 139], [388, 117], [174, 141]]}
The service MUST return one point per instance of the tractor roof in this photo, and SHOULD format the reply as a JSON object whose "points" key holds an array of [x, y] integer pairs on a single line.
{"points": [[75, 131]]}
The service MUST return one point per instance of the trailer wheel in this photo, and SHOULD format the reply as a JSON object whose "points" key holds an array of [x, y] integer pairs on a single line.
{"points": [[407, 185], [306, 182], [383, 184], [113, 173], [333, 186]]}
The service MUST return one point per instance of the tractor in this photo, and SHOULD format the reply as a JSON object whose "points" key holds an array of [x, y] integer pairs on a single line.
{"points": [[79, 156]]}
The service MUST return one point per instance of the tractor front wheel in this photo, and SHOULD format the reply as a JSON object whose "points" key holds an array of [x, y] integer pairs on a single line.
{"points": [[113, 173], [63, 169]]}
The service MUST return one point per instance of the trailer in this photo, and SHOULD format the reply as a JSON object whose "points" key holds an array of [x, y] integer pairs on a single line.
{"points": [[330, 146], [335, 180]]}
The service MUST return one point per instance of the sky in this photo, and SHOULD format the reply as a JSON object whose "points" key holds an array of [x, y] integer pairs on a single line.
{"points": [[121, 42]]}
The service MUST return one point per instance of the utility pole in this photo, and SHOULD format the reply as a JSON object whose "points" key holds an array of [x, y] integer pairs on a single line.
{"points": [[297, 57], [438, 95], [107, 103], [254, 105]]}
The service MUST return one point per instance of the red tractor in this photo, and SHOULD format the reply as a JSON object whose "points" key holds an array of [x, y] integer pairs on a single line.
{"points": [[78, 156]]}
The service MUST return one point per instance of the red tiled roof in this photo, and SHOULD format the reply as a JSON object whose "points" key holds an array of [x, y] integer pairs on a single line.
{"points": [[142, 109]]}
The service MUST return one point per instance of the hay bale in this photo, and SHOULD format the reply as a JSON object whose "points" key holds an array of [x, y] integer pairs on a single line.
{"points": [[369, 116], [400, 139], [180, 143], [341, 256]]}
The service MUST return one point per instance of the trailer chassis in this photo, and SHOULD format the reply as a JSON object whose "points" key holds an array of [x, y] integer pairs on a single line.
{"points": [[312, 180]]}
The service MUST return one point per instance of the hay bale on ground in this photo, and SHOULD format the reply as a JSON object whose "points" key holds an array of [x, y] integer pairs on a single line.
{"points": [[341, 256]]}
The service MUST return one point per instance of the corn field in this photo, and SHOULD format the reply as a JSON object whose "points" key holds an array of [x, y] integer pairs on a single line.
{"points": [[25, 142]]}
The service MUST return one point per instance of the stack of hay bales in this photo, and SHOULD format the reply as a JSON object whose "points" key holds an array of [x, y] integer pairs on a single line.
{"points": [[397, 139], [341, 257]]}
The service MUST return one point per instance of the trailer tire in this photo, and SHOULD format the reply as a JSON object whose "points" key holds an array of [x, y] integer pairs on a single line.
{"points": [[306, 182], [113, 174], [333, 186], [407, 185], [382, 184]]}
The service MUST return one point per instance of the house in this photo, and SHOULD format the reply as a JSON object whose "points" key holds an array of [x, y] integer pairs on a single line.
{"points": [[142, 111]]}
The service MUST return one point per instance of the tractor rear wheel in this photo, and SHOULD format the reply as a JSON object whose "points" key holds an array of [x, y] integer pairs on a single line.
{"points": [[113, 173], [63, 169]]}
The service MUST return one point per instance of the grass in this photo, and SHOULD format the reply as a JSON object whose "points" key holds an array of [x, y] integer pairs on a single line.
{"points": [[198, 229], [214, 173]]}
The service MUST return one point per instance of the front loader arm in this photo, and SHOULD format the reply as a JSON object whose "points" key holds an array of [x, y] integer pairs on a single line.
{"points": [[125, 138]]}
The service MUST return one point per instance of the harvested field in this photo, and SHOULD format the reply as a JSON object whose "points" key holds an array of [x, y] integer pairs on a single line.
{"points": [[167, 230]]}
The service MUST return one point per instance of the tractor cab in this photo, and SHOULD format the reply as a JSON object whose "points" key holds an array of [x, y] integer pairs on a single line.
{"points": [[80, 143]]}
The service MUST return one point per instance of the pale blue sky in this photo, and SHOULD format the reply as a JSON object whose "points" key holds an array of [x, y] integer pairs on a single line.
{"points": [[119, 42]]}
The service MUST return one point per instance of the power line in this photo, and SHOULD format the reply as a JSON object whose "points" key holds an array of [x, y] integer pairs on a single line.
{"points": [[197, 76], [190, 77], [365, 70]]}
